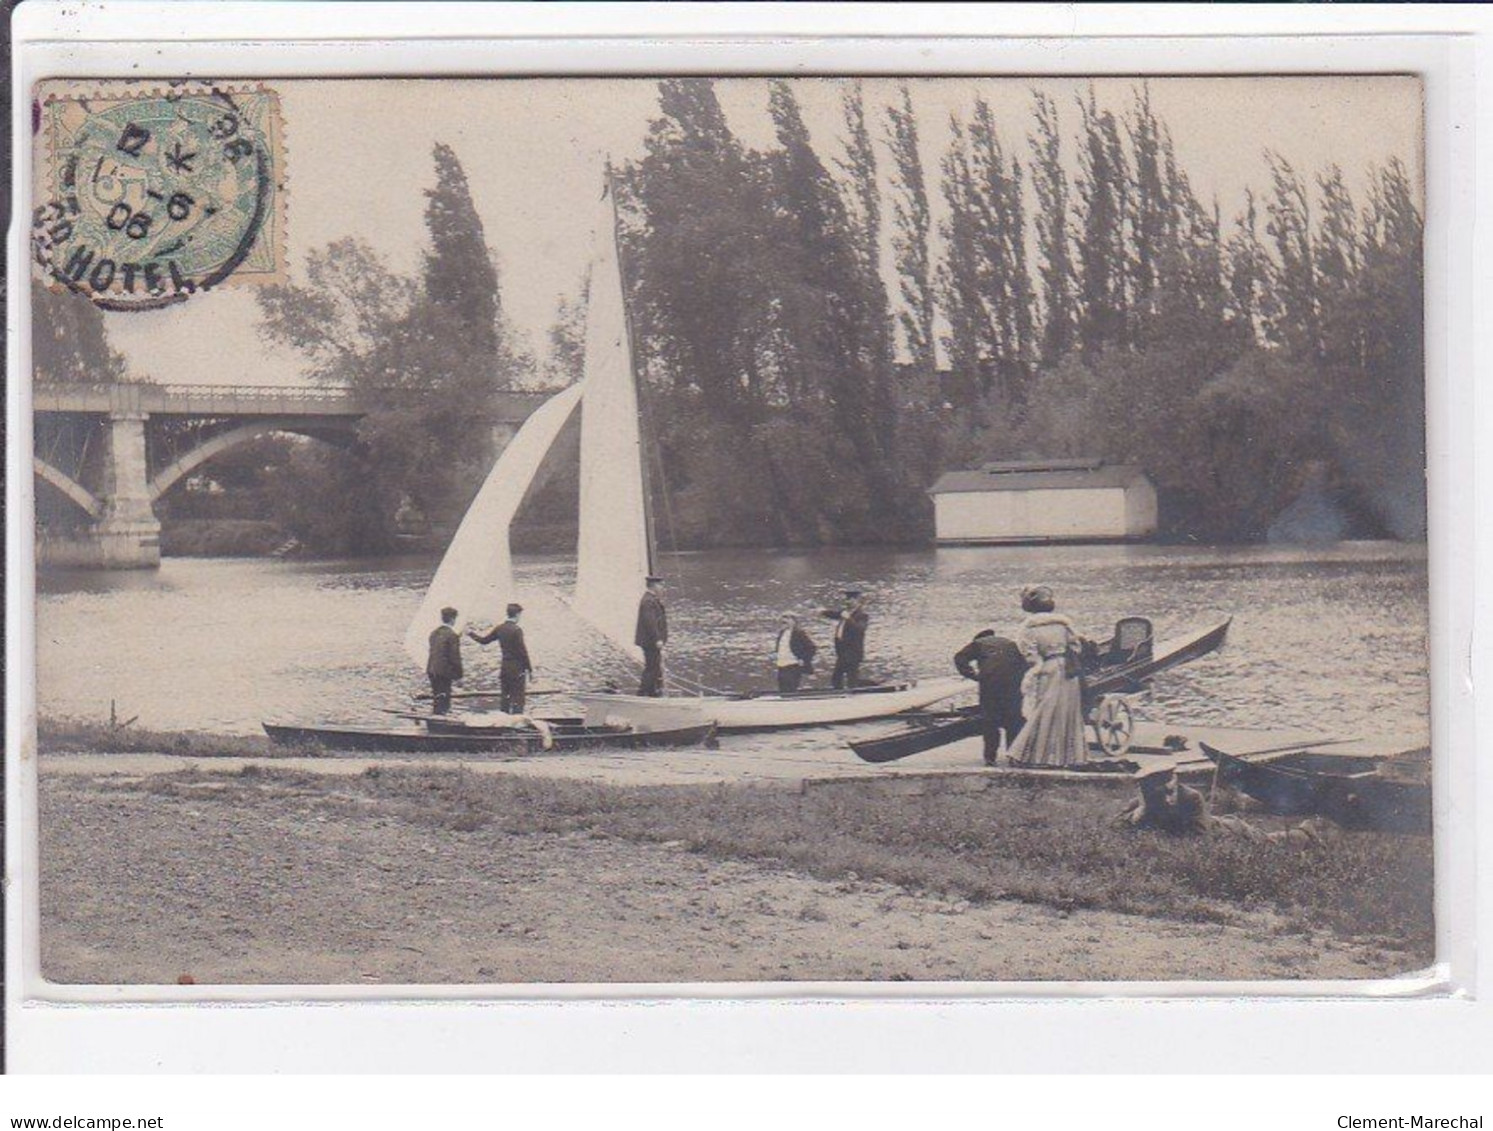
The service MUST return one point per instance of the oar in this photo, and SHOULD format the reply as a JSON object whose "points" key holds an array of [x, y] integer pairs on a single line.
{"points": [[1253, 754], [494, 694]]}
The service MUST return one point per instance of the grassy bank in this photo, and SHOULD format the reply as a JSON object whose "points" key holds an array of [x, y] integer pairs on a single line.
{"points": [[1052, 845], [78, 736]]}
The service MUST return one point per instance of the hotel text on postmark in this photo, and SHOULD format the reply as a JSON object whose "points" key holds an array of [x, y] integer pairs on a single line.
{"points": [[148, 195]]}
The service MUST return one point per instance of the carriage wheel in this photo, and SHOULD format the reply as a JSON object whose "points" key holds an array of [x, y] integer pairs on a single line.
{"points": [[1114, 724]]}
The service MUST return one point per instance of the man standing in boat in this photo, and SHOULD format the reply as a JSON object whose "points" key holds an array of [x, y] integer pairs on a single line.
{"points": [[514, 672], [997, 665], [444, 665], [792, 654], [850, 639], [651, 635]]}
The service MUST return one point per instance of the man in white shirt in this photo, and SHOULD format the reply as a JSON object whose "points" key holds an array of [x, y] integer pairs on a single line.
{"points": [[793, 654]]}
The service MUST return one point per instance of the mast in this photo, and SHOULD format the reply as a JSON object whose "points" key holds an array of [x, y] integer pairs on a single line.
{"points": [[632, 360]]}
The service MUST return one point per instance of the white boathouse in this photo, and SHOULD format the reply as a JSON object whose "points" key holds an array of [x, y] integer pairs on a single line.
{"points": [[1060, 500]]}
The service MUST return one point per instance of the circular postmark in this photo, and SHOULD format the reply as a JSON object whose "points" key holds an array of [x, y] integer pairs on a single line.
{"points": [[155, 196]]}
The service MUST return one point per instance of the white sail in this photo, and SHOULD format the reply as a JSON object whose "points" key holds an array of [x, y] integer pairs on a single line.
{"points": [[476, 575], [613, 554]]}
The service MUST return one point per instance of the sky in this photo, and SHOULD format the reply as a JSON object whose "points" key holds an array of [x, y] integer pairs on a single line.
{"points": [[358, 156]]}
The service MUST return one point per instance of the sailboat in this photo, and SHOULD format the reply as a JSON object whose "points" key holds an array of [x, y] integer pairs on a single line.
{"points": [[615, 552]]}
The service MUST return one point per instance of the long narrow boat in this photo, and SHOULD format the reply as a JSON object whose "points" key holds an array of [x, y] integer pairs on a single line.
{"points": [[772, 710], [454, 738], [1358, 793], [1114, 674], [919, 736]]}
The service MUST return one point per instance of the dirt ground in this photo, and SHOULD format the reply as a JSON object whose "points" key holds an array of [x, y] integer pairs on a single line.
{"points": [[224, 882]]}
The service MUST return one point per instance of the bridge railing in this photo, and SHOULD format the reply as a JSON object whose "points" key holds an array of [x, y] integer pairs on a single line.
{"points": [[262, 392], [248, 392], [243, 400]]}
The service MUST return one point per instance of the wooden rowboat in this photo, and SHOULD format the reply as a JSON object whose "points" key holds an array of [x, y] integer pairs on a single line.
{"points": [[927, 733], [451, 737], [1358, 793]]}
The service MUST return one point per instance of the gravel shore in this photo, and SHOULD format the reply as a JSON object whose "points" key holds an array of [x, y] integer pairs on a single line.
{"points": [[265, 878]]}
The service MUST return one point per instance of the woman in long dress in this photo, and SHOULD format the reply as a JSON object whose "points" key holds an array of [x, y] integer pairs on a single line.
{"points": [[1051, 696]]}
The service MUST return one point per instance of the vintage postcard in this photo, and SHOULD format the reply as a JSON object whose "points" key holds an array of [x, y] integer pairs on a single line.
{"points": [[535, 531]]}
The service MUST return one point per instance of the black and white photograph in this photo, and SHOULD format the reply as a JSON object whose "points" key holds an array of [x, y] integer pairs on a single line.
{"points": [[559, 531]]}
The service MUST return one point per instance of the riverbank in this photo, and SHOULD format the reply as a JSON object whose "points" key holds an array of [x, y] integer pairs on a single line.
{"points": [[220, 538], [271, 875]]}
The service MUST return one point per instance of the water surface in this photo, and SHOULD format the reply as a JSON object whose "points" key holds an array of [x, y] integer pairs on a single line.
{"points": [[1333, 639]]}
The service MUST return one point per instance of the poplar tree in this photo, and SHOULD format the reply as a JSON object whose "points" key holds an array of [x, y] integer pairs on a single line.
{"points": [[1050, 186], [910, 235], [461, 280], [985, 288], [1152, 218], [960, 294], [998, 186], [862, 192], [1248, 272], [1291, 309], [1102, 248]]}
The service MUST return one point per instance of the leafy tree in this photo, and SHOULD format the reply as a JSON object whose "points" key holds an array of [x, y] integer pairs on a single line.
{"points": [[567, 338], [426, 354], [831, 315], [702, 247], [69, 345]]}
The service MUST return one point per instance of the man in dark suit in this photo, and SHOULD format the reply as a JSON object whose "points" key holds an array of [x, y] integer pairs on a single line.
{"points": [[792, 654], [444, 665], [997, 665], [850, 639], [514, 672], [651, 635]]}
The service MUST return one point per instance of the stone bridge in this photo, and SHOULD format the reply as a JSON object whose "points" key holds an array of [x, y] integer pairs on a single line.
{"points": [[114, 449]]}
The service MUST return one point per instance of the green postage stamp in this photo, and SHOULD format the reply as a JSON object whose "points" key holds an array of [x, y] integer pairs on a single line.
{"points": [[151, 193]]}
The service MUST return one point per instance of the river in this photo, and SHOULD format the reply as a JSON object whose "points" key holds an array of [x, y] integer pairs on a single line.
{"points": [[1329, 638]]}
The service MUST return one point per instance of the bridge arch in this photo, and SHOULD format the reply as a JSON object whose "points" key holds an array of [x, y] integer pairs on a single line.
{"points": [[329, 431], [91, 504]]}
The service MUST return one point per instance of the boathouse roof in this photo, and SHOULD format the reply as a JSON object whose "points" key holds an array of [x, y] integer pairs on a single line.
{"points": [[1040, 475]]}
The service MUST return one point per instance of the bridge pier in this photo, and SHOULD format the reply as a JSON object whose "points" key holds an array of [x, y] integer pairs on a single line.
{"points": [[128, 533]]}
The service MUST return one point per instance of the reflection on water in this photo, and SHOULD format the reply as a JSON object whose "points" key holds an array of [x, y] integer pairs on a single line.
{"points": [[1327, 638]]}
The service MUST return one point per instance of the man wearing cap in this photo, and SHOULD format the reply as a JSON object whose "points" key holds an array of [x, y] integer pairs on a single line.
{"points": [[850, 639], [444, 665], [792, 654], [514, 672], [651, 635], [997, 665]]}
